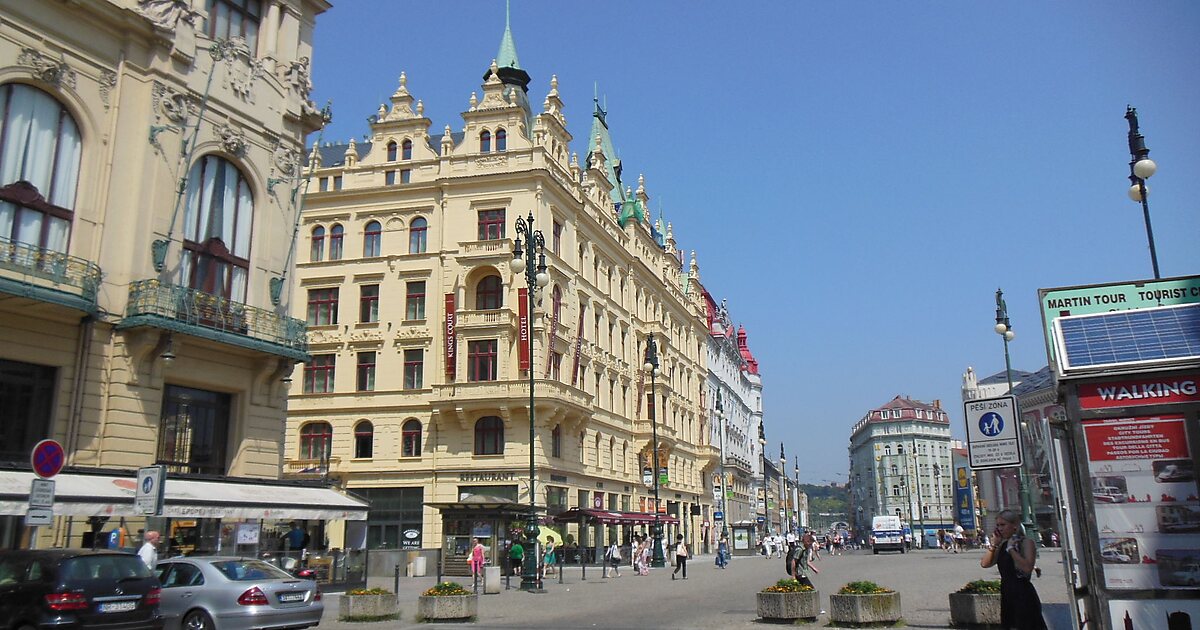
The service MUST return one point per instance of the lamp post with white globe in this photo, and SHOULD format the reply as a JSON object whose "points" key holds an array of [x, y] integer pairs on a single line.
{"points": [[657, 559], [1004, 329], [1141, 167]]}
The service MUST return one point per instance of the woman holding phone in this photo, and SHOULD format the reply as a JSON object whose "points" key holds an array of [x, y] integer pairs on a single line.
{"points": [[1015, 556]]}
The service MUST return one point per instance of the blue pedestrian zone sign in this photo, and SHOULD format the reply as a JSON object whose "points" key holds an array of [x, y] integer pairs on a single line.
{"points": [[993, 433]]}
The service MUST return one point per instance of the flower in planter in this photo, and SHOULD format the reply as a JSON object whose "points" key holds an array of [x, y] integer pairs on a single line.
{"points": [[788, 585], [442, 589], [863, 587], [981, 587], [368, 591]]}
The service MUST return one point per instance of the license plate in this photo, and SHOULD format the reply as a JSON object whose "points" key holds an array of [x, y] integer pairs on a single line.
{"points": [[116, 607], [291, 597]]}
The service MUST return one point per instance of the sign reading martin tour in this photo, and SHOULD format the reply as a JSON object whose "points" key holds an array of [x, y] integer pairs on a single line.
{"points": [[993, 432]]}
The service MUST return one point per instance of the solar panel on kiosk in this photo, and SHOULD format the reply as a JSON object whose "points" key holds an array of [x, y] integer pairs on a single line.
{"points": [[1130, 337]]}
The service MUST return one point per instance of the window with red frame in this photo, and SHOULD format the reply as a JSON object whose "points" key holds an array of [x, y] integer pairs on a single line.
{"points": [[391, 151], [418, 233], [501, 140], [414, 364], [481, 360], [322, 307], [218, 215], [556, 239], [337, 239], [315, 440], [366, 372], [406, 150], [491, 225], [316, 252], [489, 436], [414, 300], [368, 303], [488, 294], [485, 141], [372, 240], [318, 374], [410, 438], [364, 440]]}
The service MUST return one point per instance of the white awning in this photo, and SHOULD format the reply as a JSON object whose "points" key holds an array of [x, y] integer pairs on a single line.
{"points": [[102, 495]]}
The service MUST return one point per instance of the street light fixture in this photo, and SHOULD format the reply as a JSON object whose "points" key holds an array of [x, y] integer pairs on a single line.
{"points": [[783, 492], [1004, 329], [651, 368], [762, 450], [720, 407], [796, 494], [1141, 167], [535, 278]]}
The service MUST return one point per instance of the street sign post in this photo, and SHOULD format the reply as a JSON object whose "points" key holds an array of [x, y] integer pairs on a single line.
{"points": [[993, 432], [47, 458], [38, 516], [41, 494], [151, 485]]}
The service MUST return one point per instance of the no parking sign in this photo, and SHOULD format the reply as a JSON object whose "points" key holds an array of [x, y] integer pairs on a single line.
{"points": [[993, 432]]}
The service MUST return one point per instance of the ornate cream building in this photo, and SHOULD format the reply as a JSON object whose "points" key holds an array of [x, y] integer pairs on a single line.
{"points": [[148, 150], [417, 393]]}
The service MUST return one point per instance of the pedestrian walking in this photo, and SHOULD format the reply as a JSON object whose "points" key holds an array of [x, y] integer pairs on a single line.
{"points": [[548, 557], [960, 538], [476, 561], [802, 561], [722, 552], [644, 558], [612, 558], [681, 557], [1015, 556], [516, 557], [149, 551]]}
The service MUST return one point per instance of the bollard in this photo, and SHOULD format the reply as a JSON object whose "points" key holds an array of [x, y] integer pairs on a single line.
{"points": [[439, 565], [559, 564], [396, 580]]}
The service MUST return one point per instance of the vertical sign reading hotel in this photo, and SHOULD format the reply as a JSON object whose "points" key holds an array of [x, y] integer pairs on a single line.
{"points": [[451, 336], [523, 313]]}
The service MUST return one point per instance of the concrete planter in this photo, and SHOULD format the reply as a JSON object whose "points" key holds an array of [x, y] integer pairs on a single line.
{"points": [[447, 607], [975, 609], [789, 606], [367, 607], [874, 608]]}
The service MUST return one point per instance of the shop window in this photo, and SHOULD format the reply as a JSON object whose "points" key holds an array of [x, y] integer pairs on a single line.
{"points": [[219, 213], [26, 403], [364, 440], [489, 294], [372, 240], [40, 147], [410, 436], [193, 431], [316, 252], [489, 436], [316, 438], [414, 300], [394, 519], [418, 234]]}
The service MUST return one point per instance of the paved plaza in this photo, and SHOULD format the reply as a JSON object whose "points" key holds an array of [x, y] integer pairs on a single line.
{"points": [[714, 598]]}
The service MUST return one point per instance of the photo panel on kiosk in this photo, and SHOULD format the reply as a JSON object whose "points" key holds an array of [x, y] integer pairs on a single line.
{"points": [[1129, 374]]}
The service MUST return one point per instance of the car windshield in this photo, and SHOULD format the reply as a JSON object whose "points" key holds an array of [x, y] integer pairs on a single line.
{"points": [[114, 567], [250, 570]]}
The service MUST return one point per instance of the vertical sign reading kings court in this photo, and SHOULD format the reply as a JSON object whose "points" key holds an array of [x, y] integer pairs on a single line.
{"points": [[451, 337]]}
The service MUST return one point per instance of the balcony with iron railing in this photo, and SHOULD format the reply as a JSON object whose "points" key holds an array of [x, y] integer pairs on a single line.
{"points": [[199, 314], [48, 276]]}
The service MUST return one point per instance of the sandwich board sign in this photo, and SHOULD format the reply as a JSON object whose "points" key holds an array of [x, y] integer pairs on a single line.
{"points": [[993, 432]]}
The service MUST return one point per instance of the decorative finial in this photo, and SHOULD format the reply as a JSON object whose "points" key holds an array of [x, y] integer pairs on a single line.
{"points": [[420, 108], [382, 111], [494, 68], [474, 100], [403, 80], [554, 82]]}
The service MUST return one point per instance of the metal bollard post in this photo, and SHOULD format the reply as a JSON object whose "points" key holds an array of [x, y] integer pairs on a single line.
{"points": [[439, 566], [582, 566], [558, 563], [396, 587]]}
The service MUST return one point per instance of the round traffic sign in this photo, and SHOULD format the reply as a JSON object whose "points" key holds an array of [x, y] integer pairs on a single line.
{"points": [[48, 458]]}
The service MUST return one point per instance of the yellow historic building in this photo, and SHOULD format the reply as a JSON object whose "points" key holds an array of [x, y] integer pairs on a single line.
{"points": [[418, 389], [148, 153]]}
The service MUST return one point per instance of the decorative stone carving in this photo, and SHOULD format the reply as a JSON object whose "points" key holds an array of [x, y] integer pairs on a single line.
{"points": [[238, 78], [170, 103], [166, 14], [232, 140], [108, 80], [287, 159], [52, 71], [491, 161]]}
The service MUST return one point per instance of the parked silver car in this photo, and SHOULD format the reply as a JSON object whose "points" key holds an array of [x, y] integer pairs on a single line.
{"points": [[229, 593]]}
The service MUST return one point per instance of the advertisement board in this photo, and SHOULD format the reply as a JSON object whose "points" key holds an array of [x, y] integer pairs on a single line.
{"points": [[964, 499]]}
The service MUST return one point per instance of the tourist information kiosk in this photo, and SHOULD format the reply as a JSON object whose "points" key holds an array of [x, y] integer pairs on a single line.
{"points": [[1127, 362]]}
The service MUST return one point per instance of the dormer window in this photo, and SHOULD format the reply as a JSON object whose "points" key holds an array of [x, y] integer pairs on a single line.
{"points": [[406, 150], [391, 151], [501, 140], [485, 141]]}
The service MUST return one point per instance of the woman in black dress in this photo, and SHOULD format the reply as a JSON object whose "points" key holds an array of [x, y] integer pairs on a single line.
{"points": [[1015, 555]]}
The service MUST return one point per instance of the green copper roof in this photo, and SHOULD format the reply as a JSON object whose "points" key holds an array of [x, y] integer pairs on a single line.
{"points": [[631, 209], [507, 57], [600, 127]]}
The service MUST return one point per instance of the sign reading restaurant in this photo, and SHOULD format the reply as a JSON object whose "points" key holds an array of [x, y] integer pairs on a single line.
{"points": [[488, 476]]}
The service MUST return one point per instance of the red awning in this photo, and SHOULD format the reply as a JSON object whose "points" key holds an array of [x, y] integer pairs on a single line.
{"points": [[605, 517]]}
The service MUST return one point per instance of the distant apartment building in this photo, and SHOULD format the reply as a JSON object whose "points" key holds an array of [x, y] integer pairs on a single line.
{"points": [[900, 464]]}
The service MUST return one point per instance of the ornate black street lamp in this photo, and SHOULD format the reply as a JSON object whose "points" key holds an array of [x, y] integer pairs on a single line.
{"points": [[651, 367], [535, 278], [783, 492], [724, 481], [1141, 167], [762, 451], [1004, 329]]}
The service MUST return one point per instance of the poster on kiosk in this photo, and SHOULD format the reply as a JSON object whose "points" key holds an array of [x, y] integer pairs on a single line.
{"points": [[1126, 357]]}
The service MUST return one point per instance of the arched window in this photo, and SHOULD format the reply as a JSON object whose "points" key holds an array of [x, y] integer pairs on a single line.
{"points": [[40, 146], [894, 470], [557, 305], [501, 140], [406, 150], [316, 252], [597, 447], [489, 436], [216, 232], [315, 440], [364, 440], [485, 141], [556, 441], [372, 239], [410, 437], [418, 235], [488, 294], [337, 236], [612, 453], [899, 449], [391, 151]]}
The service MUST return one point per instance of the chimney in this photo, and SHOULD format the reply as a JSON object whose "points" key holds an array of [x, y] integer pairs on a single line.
{"points": [[937, 403]]}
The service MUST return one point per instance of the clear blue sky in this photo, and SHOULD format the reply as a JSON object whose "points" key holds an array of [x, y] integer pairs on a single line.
{"points": [[856, 179]]}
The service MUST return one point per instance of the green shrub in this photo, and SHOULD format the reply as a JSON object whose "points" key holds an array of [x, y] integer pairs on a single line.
{"points": [[981, 587], [442, 589], [863, 587]]}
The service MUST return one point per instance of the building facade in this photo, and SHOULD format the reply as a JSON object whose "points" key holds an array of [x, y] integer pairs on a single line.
{"points": [[147, 154], [418, 389], [900, 464]]}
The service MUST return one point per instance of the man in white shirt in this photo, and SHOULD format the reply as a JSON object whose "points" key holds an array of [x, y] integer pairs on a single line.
{"points": [[149, 551]]}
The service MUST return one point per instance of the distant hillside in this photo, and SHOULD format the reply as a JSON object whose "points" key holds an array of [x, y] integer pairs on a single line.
{"points": [[829, 500]]}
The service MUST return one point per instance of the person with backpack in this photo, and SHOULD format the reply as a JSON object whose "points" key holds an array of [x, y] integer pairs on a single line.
{"points": [[612, 558], [681, 556]]}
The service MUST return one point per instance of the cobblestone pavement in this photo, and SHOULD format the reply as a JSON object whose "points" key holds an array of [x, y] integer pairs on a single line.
{"points": [[714, 598]]}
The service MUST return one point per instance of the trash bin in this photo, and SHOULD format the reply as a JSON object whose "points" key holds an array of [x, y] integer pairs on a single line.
{"points": [[417, 567], [491, 580]]}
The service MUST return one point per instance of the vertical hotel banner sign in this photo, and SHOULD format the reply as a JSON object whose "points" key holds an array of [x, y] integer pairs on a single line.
{"points": [[523, 322], [451, 336], [550, 341]]}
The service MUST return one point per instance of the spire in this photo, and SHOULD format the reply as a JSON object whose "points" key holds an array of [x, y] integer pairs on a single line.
{"points": [[510, 69]]}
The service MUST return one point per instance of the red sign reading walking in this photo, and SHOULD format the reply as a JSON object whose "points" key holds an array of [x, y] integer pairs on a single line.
{"points": [[1136, 438], [1143, 391], [523, 324]]}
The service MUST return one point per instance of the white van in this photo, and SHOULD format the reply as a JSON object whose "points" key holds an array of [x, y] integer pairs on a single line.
{"points": [[887, 534]]}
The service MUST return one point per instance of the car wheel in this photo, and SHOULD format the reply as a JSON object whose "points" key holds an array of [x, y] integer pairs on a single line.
{"points": [[197, 620], [875, 551]]}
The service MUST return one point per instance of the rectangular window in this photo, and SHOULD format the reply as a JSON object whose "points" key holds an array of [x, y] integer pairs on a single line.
{"points": [[323, 184], [322, 307], [193, 431], [556, 240], [556, 366], [481, 360], [491, 225], [318, 374], [389, 178], [405, 176], [235, 18], [414, 301], [556, 500], [337, 182], [414, 365], [368, 303], [26, 406], [366, 371]]}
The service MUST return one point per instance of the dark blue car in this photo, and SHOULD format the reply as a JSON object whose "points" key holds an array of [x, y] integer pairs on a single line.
{"points": [[75, 588]]}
